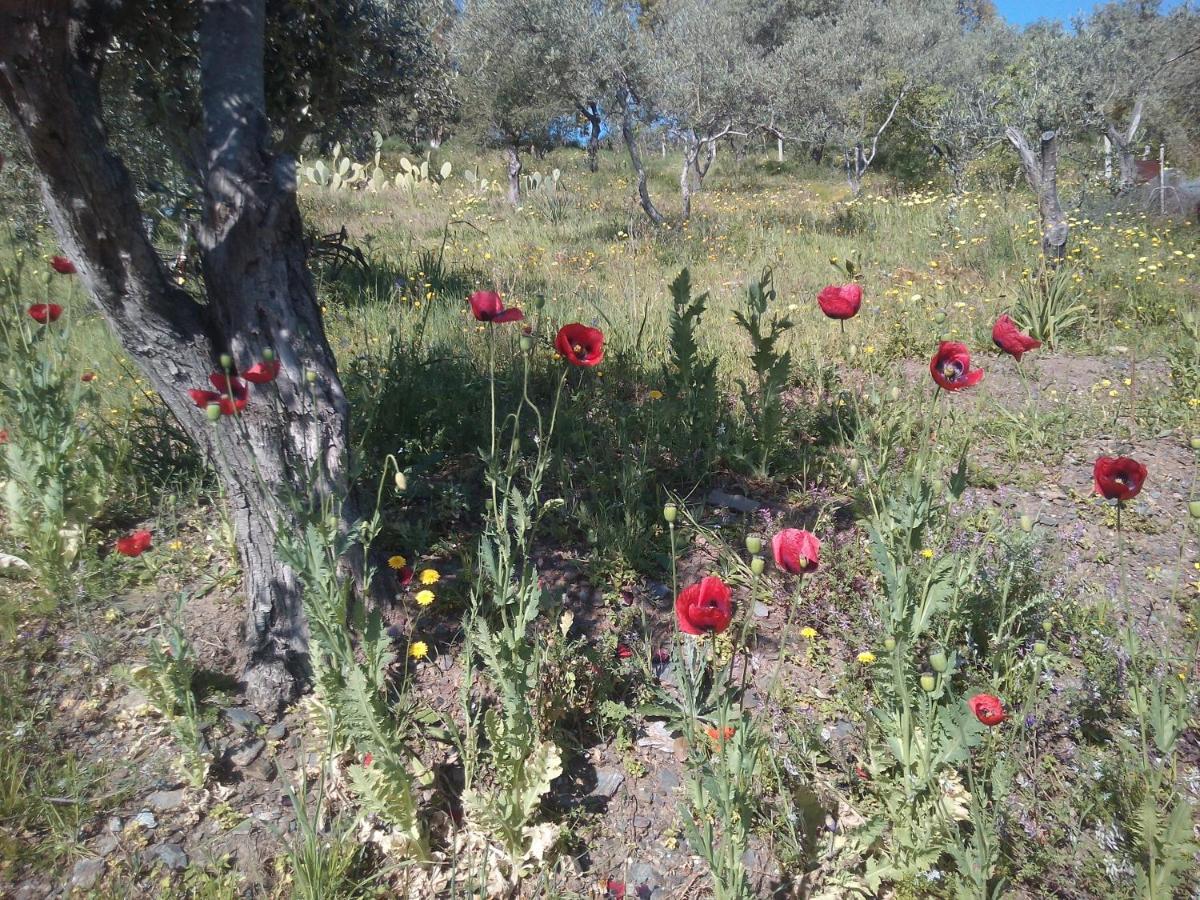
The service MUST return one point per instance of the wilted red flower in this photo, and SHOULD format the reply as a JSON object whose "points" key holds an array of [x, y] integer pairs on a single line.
{"points": [[1009, 338], [951, 367], [614, 889], [134, 544], [44, 313], [231, 394], [3, 435], [405, 575], [796, 551], [488, 307], [580, 345], [840, 301], [704, 607], [87, 376], [624, 651], [1118, 477], [62, 265], [262, 372], [987, 709]]}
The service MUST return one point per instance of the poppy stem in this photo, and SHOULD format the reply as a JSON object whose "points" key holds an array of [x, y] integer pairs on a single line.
{"points": [[783, 637]]}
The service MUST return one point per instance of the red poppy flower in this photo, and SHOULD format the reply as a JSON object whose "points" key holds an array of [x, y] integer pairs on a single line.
{"points": [[580, 345], [796, 551], [134, 544], [231, 394], [840, 301], [488, 307], [704, 607], [262, 372], [951, 367], [367, 760], [624, 651], [62, 265], [87, 376], [44, 313], [1118, 477], [1010, 339], [987, 709]]}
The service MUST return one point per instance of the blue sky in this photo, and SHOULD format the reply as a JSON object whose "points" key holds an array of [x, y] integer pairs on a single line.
{"points": [[1024, 11]]}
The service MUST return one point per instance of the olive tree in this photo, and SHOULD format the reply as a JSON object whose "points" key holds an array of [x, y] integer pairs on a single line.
{"points": [[233, 87]]}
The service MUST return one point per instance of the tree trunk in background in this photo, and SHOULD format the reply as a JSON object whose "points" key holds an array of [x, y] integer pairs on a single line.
{"points": [[691, 153], [1041, 173], [512, 158], [293, 436], [1125, 164], [591, 112], [635, 159]]}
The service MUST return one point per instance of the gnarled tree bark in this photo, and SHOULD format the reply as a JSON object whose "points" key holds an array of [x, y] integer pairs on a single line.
{"points": [[635, 159], [1041, 173], [292, 438]]}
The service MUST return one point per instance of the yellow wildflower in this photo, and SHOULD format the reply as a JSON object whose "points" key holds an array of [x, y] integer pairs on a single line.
{"points": [[927, 553], [418, 650], [430, 576], [808, 632], [866, 657], [424, 598], [397, 562], [656, 395]]}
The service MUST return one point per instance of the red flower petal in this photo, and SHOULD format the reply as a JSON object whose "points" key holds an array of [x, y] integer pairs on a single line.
{"points": [[1118, 477], [840, 301], [796, 551], [485, 305], [951, 367], [580, 345], [1010, 339], [262, 372], [44, 313], [987, 709], [704, 607], [62, 265], [135, 544]]}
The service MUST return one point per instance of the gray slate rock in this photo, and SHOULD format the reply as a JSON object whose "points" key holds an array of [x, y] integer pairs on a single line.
{"points": [[164, 801], [246, 719], [86, 873], [171, 856], [247, 753]]}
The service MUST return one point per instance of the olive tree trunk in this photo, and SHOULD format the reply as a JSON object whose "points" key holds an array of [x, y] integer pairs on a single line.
{"points": [[292, 437], [635, 159], [591, 112], [1121, 140], [512, 162], [1041, 173]]}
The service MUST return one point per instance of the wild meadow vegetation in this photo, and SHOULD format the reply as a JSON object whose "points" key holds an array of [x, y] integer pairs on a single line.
{"points": [[802, 531]]}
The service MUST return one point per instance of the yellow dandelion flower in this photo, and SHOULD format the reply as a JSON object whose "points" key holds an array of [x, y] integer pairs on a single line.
{"points": [[397, 562], [655, 395], [927, 553], [175, 545], [866, 657], [808, 632], [430, 576], [424, 598], [418, 650]]}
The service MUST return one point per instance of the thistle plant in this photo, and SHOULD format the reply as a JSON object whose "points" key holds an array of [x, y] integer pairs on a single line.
{"points": [[764, 403]]}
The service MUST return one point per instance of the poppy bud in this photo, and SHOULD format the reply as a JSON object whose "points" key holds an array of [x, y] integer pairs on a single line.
{"points": [[754, 544], [1027, 524], [928, 683], [401, 482], [213, 411], [938, 661], [894, 393], [757, 565], [226, 362], [854, 464], [268, 355], [539, 302], [670, 512], [854, 349], [310, 376], [1194, 508], [1039, 648], [1196, 442], [889, 643], [1047, 626], [939, 317], [526, 342]]}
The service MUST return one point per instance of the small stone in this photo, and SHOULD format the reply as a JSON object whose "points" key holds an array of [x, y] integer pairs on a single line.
{"points": [[165, 800], [171, 856], [608, 781], [86, 873], [761, 609], [262, 768], [243, 827], [657, 736], [641, 823], [667, 780], [107, 844], [277, 732], [144, 819], [247, 753], [246, 719], [736, 502], [113, 825]]}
